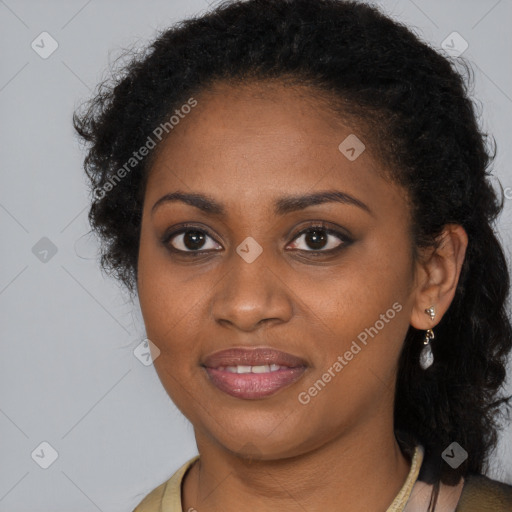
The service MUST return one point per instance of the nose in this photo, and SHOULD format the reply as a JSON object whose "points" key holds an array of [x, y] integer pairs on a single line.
{"points": [[251, 294]]}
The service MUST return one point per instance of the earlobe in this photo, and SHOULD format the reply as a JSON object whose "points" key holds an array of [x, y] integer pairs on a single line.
{"points": [[439, 274]]}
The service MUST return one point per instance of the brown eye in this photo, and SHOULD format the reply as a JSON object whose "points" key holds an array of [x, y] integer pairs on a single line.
{"points": [[189, 240], [319, 239]]}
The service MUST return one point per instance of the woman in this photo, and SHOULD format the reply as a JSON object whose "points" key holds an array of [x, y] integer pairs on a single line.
{"points": [[297, 192]]}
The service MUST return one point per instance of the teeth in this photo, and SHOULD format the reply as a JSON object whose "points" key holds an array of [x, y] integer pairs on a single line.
{"points": [[265, 368]]}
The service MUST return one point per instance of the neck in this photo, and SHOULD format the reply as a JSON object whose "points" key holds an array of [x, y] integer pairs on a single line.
{"points": [[360, 470]]}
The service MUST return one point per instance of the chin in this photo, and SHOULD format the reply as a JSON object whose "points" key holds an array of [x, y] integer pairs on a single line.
{"points": [[258, 437]]}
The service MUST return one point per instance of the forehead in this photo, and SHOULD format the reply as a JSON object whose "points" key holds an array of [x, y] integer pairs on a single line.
{"points": [[259, 110], [262, 138]]}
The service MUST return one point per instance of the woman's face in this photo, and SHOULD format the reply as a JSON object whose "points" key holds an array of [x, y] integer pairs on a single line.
{"points": [[250, 276]]}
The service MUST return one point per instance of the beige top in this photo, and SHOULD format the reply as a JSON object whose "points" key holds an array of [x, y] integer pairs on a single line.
{"points": [[167, 496]]}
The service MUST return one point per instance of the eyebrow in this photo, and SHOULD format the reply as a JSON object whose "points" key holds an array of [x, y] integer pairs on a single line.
{"points": [[282, 206]]}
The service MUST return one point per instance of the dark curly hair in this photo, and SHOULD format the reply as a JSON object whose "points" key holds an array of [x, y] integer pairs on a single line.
{"points": [[413, 105]]}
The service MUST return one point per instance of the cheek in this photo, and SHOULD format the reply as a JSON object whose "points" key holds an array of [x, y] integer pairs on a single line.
{"points": [[364, 301], [167, 308], [166, 304], [358, 335]]}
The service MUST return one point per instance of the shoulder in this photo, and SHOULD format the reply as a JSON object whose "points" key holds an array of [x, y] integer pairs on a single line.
{"points": [[481, 493], [152, 502], [167, 496]]}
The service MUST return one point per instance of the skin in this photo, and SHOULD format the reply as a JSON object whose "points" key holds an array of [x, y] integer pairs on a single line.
{"points": [[247, 146]]}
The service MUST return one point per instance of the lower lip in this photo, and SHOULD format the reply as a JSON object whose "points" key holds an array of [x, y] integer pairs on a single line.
{"points": [[254, 385]]}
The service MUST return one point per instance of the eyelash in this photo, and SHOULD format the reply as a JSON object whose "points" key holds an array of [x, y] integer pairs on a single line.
{"points": [[315, 225]]}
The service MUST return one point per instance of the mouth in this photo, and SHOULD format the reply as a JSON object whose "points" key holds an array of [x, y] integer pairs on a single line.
{"points": [[253, 373]]}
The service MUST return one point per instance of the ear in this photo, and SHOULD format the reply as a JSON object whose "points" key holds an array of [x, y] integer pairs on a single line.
{"points": [[437, 274]]}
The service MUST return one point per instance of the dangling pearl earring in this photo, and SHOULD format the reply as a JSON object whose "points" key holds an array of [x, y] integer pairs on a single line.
{"points": [[426, 355]]}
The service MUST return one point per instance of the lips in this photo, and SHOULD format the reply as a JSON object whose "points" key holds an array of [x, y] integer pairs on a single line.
{"points": [[252, 357], [253, 373]]}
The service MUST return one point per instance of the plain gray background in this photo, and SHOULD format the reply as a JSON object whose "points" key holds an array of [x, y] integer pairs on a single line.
{"points": [[68, 374]]}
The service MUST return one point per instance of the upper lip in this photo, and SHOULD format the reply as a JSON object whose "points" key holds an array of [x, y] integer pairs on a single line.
{"points": [[252, 357]]}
